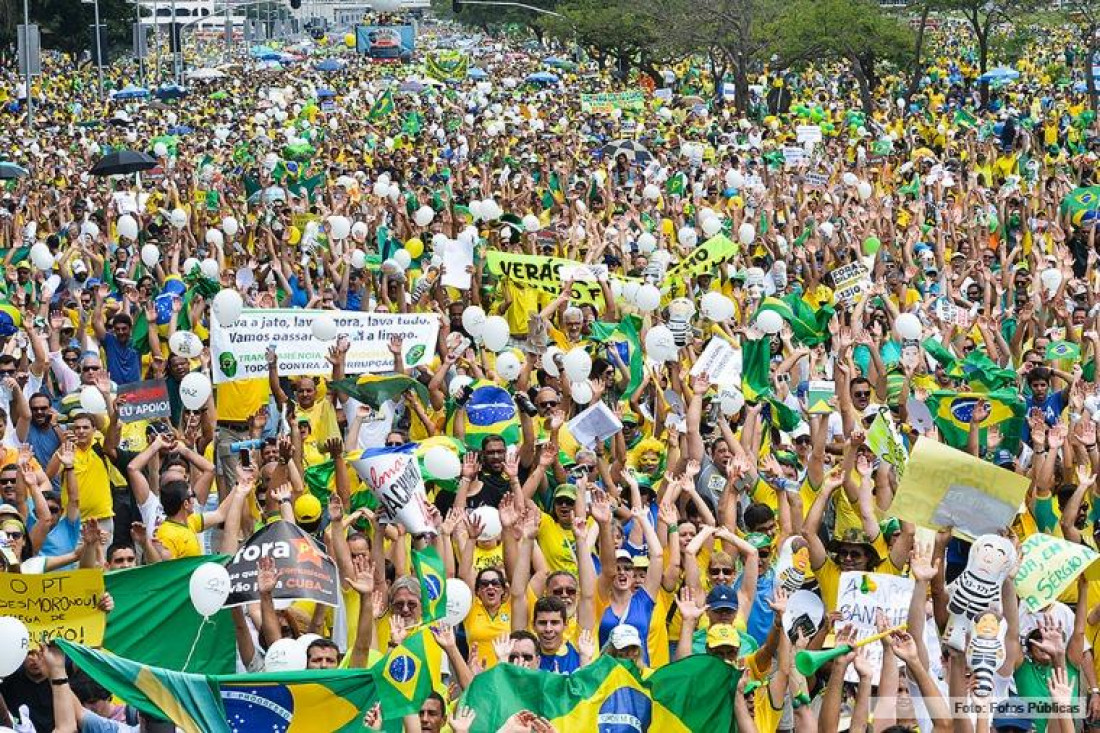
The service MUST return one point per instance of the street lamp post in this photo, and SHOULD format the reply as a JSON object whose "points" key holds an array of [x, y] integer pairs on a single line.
{"points": [[27, 61], [98, 49]]}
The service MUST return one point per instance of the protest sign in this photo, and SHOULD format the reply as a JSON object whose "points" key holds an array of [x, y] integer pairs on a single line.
{"points": [[945, 487], [816, 180], [595, 425], [146, 400], [58, 605], [587, 273], [885, 441], [807, 134], [819, 396], [304, 572], [240, 350], [711, 253], [859, 598], [541, 273], [950, 313], [793, 156], [1049, 565], [720, 362], [393, 474], [850, 282], [457, 256], [604, 102]]}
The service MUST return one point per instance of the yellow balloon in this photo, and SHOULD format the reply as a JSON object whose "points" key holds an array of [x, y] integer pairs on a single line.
{"points": [[295, 235], [349, 40], [414, 247]]}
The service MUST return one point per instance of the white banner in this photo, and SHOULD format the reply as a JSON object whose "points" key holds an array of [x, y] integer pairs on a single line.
{"points": [[393, 474], [859, 597], [239, 351], [720, 362]]}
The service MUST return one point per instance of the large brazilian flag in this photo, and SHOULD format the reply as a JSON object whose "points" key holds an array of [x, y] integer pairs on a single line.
{"points": [[695, 694], [951, 412]]}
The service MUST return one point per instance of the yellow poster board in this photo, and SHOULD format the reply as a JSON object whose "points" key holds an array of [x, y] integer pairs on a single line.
{"points": [[56, 605], [1049, 565], [945, 487]]}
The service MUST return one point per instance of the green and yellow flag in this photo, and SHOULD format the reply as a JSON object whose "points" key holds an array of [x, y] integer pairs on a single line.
{"points": [[433, 582], [951, 412], [382, 107], [756, 383], [404, 677], [374, 389], [809, 326], [623, 338], [689, 696]]}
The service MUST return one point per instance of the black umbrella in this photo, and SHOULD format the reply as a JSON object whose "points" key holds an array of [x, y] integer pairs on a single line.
{"points": [[11, 170], [122, 162], [632, 149]]}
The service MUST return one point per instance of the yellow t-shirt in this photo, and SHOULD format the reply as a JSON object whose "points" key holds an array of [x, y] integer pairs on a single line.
{"points": [[767, 717], [558, 545], [94, 483], [182, 540], [322, 422], [488, 558], [483, 627], [238, 401]]}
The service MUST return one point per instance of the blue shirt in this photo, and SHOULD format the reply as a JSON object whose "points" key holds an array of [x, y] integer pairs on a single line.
{"points": [[761, 617], [61, 539], [566, 661], [123, 360], [44, 443], [1052, 408], [638, 614]]}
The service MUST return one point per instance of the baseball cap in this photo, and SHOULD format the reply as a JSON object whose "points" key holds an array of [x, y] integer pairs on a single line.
{"points": [[1003, 457], [8, 509], [722, 597], [723, 635], [569, 491], [307, 509], [623, 636], [759, 540], [800, 430], [872, 409], [640, 562], [624, 555]]}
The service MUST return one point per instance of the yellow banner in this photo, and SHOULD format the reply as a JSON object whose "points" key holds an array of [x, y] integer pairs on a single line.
{"points": [[541, 273], [715, 251], [944, 487], [1049, 565], [56, 605]]}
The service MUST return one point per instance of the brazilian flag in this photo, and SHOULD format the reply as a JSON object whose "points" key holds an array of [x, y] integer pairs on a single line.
{"points": [[433, 582], [1063, 351], [691, 695], [951, 412], [374, 389], [623, 338], [756, 383], [382, 107], [273, 701], [981, 373], [490, 410], [809, 326], [405, 680]]}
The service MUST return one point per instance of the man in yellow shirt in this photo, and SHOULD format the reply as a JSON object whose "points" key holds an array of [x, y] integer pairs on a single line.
{"points": [[91, 467]]}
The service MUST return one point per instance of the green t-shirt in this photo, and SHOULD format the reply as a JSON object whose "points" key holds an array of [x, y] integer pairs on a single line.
{"points": [[1031, 682]]}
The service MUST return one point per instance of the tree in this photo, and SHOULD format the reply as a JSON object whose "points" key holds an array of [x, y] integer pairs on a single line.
{"points": [[611, 31], [1086, 16], [983, 16], [66, 24], [856, 32]]}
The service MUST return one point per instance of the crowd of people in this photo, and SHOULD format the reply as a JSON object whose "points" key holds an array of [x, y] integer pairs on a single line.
{"points": [[749, 300]]}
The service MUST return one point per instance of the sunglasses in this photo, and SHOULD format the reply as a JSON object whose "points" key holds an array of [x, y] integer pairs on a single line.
{"points": [[861, 394], [7, 481], [493, 583], [410, 605], [548, 404], [516, 657], [564, 591], [7, 372], [720, 571], [14, 535], [394, 443], [562, 501], [90, 368], [850, 552]]}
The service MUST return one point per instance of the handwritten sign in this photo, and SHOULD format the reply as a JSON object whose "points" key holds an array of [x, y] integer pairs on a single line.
{"points": [[146, 400], [793, 155], [720, 362], [850, 282], [860, 596], [816, 180], [56, 605], [808, 134], [1048, 566]]}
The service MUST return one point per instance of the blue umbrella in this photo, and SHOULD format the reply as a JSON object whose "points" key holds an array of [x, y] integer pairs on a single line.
{"points": [[476, 73], [180, 130], [1001, 73], [260, 51], [270, 56], [542, 77], [131, 92], [325, 93], [330, 65]]}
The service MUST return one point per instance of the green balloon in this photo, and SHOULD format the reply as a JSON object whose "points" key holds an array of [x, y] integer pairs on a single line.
{"points": [[871, 245]]}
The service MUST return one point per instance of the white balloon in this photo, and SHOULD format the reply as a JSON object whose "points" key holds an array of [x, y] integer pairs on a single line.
{"points": [[548, 364], [285, 655], [746, 233], [769, 322], [191, 263], [150, 255], [230, 226], [185, 344], [89, 229], [50, 286], [531, 223], [476, 210], [215, 238], [127, 227], [359, 231], [687, 236], [305, 640], [473, 320], [14, 643], [41, 256], [651, 192], [581, 392], [459, 600], [160, 150], [227, 306], [177, 218], [195, 390], [323, 327], [648, 298], [660, 344], [442, 463], [1051, 278], [402, 258], [423, 216], [646, 243], [734, 179], [826, 229], [849, 179], [209, 588], [578, 364], [508, 366], [864, 190], [495, 333], [339, 227], [210, 268], [711, 226], [91, 401], [731, 401], [358, 258], [715, 306], [908, 326]]}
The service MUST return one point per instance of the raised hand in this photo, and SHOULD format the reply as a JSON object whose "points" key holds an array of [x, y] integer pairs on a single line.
{"points": [[691, 607], [267, 577], [373, 719], [502, 647], [462, 719], [444, 635], [471, 465]]}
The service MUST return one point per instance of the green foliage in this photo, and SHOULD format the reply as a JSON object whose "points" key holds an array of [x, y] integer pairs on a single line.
{"points": [[66, 24], [606, 28]]}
